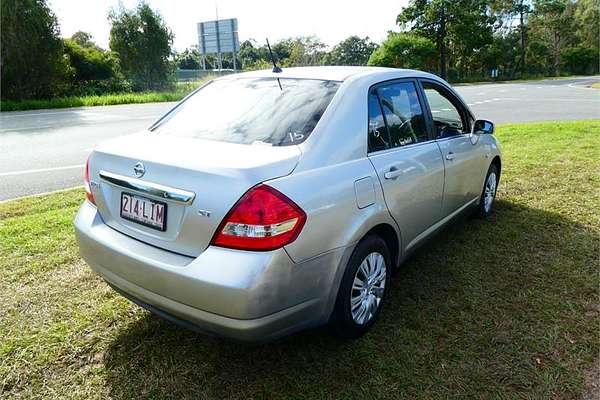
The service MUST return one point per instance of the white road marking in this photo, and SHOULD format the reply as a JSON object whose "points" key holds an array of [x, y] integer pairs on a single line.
{"points": [[577, 85], [35, 171], [32, 128]]}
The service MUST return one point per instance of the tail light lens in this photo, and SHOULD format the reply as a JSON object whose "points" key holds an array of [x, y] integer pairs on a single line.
{"points": [[86, 183], [263, 219]]}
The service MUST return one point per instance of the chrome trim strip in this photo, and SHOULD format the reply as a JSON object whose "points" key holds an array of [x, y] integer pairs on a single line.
{"points": [[153, 189]]}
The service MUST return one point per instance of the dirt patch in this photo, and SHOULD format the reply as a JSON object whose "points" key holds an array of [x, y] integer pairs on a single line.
{"points": [[592, 382]]}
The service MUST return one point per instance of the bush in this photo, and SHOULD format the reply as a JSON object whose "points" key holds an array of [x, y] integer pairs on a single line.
{"points": [[581, 60], [91, 63], [405, 50]]}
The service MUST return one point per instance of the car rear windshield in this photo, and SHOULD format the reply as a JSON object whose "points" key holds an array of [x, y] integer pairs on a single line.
{"points": [[271, 111]]}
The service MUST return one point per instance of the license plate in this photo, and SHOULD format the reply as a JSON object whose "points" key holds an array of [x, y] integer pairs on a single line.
{"points": [[144, 211]]}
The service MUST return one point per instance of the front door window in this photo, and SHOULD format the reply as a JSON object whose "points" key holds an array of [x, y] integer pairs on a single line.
{"points": [[448, 119]]}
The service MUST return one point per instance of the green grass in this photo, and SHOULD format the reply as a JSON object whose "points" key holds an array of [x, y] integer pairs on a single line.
{"points": [[181, 90], [502, 308], [596, 85]]}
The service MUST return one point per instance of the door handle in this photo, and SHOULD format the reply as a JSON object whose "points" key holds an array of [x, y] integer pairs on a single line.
{"points": [[393, 173], [450, 156]]}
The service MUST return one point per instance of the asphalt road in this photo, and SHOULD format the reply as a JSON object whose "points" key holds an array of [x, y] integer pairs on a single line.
{"points": [[45, 150]]}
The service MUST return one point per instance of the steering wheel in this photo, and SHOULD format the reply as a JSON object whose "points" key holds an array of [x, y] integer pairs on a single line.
{"points": [[404, 125]]}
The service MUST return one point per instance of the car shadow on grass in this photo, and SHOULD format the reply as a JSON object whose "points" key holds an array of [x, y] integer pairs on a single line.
{"points": [[492, 307]]}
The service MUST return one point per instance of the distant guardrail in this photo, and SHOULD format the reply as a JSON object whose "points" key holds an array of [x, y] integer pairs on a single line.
{"points": [[192, 75]]}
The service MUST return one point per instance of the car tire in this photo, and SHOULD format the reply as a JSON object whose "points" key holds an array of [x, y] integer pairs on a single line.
{"points": [[488, 193], [357, 307]]}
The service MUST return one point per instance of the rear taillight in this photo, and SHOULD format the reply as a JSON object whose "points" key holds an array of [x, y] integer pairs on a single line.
{"points": [[86, 183], [263, 219]]}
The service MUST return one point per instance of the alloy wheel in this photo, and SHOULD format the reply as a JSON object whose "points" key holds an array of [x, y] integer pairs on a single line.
{"points": [[490, 192], [368, 288]]}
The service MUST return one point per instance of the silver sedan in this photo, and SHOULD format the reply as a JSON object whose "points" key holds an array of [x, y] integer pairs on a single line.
{"points": [[268, 202]]}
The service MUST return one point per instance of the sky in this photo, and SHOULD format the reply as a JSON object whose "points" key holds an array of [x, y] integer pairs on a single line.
{"points": [[330, 20]]}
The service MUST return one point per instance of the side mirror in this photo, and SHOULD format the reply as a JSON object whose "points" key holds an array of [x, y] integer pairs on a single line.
{"points": [[483, 127]]}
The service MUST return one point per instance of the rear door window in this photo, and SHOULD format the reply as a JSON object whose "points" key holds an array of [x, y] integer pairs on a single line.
{"points": [[402, 113], [378, 133]]}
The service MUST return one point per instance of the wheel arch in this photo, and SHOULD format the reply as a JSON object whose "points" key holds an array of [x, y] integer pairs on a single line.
{"points": [[498, 163], [390, 237]]}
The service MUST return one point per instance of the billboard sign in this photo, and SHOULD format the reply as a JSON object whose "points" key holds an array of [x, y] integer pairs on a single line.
{"points": [[216, 37]]}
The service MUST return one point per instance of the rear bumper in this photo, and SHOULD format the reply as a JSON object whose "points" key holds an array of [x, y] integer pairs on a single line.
{"points": [[248, 296]]}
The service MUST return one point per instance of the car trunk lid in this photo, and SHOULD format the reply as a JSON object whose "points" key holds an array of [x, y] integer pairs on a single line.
{"points": [[198, 181]]}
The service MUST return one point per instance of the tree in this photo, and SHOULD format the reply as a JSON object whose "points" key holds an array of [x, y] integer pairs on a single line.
{"points": [[522, 8], [580, 59], [516, 9], [405, 50], [300, 51], [464, 23], [188, 59], [503, 53], [31, 57], [143, 42], [552, 25], [587, 18], [83, 39], [290, 52], [587, 22], [253, 56], [351, 51]]}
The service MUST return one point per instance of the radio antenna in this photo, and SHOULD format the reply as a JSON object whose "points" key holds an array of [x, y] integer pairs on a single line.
{"points": [[276, 69]]}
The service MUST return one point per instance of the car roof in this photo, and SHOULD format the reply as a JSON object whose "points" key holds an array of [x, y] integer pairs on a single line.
{"points": [[331, 73]]}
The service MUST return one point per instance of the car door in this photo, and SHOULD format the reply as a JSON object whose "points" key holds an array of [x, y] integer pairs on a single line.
{"points": [[462, 157], [408, 162]]}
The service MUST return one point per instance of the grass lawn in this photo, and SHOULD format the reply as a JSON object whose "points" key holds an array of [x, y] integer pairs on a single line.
{"points": [[181, 90], [503, 308], [596, 85]]}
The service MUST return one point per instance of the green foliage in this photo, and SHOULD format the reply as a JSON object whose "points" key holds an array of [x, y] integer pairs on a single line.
{"points": [[587, 20], [252, 56], [351, 51], [462, 40], [518, 37], [188, 59], [178, 93], [93, 70], [405, 50], [301, 51], [143, 43], [290, 52], [84, 39], [580, 59], [457, 28], [551, 27], [31, 55], [91, 62]]}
